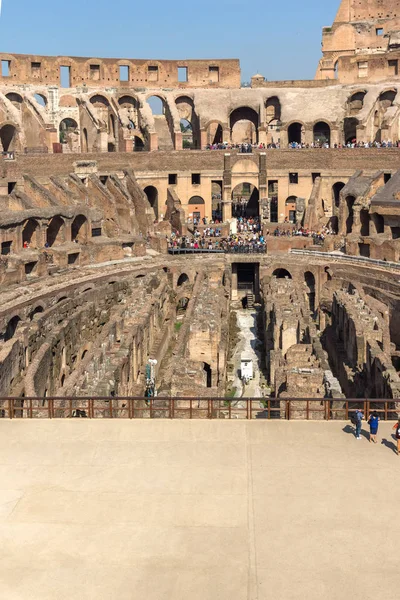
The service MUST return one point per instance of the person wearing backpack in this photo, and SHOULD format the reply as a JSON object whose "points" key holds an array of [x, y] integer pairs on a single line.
{"points": [[357, 421], [373, 423], [397, 434]]}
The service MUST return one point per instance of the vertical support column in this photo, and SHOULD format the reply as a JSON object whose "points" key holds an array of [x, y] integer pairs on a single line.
{"points": [[178, 141], [234, 289], [262, 185], [227, 189], [203, 139]]}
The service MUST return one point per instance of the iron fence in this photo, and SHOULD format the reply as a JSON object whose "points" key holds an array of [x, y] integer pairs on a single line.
{"points": [[195, 408]]}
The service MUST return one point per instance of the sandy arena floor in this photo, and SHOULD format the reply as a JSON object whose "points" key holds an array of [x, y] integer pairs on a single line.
{"points": [[180, 510]]}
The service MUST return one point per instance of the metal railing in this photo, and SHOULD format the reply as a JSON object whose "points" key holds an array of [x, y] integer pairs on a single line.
{"points": [[348, 258], [226, 250], [309, 409]]}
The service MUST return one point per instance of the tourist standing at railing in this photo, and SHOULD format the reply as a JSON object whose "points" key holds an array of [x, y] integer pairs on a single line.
{"points": [[358, 417], [397, 434], [373, 423]]}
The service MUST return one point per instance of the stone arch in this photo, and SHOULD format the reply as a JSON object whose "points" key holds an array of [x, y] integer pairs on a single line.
{"points": [[387, 97], [290, 209], [282, 274], [196, 200], [15, 99], [41, 99], [158, 104], [55, 233], [138, 143], [37, 310], [322, 133], [355, 102], [189, 122], [99, 101], [336, 189], [11, 328], [152, 196], [215, 133], [244, 123], [273, 109], [350, 129], [8, 137], [183, 278], [79, 229], [30, 233], [69, 134], [296, 131], [245, 200]]}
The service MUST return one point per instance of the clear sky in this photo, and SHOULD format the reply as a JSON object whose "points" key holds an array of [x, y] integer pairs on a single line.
{"points": [[280, 39]]}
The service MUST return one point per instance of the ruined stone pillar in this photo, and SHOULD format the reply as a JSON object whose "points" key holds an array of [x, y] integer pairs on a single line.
{"points": [[226, 135], [203, 139], [178, 143], [334, 137], [153, 142], [262, 136], [234, 289]]}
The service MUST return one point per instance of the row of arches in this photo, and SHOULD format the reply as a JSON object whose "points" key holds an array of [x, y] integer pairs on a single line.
{"points": [[55, 233]]}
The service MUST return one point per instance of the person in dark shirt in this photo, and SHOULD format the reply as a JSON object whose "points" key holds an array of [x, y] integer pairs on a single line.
{"points": [[373, 426]]}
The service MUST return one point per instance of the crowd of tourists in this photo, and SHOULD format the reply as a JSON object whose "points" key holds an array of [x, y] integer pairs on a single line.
{"points": [[245, 148], [353, 144], [318, 235]]}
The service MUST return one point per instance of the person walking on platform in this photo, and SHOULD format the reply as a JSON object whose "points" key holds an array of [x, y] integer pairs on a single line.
{"points": [[373, 423], [397, 434], [358, 417]]}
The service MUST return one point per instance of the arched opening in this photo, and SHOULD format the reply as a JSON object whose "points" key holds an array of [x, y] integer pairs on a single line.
{"points": [[99, 101], [55, 232], [8, 135], [350, 130], [364, 220], [41, 100], [15, 99], [183, 278], [333, 224], [11, 328], [356, 102], [322, 133], [189, 122], [245, 200], [138, 144], [182, 307], [157, 105], [79, 229], [69, 135], [295, 133], [350, 200], [244, 123], [273, 109], [38, 310], [30, 234], [336, 189], [84, 140], [281, 274], [152, 196], [387, 98], [208, 375], [129, 111], [214, 134], [379, 222], [290, 209], [310, 283], [197, 209]]}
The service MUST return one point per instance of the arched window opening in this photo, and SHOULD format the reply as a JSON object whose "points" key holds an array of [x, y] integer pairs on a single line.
{"points": [[138, 144], [334, 224], [15, 99], [322, 134], [187, 134], [244, 124], [41, 100], [364, 219], [99, 101], [8, 135], [79, 229], [55, 232], [386, 99], [152, 196], [295, 133], [273, 109], [183, 278], [30, 234], [350, 200], [281, 274], [245, 200], [356, 102], [11, 328], [189, 122], [69, 133], [336, 189], [38, 310], [157, 105]]}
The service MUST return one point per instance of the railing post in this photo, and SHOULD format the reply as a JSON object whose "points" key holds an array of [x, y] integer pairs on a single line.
{"points": [[209, 408], [230, 409], [308, 410], [30, 408], [269, 408], [151, 408], [111, 408], [191, 408], [171, 408], [10, 408], [288, 409]]}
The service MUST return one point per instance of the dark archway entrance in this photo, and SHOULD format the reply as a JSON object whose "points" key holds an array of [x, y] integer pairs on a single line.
{"points": [[8, 135], [322, 133], [244, 124], [336, 189], [281, 274], [245, 201], [350, 129], [295, 133], [152, 196], [350, 213], [55, 231]]}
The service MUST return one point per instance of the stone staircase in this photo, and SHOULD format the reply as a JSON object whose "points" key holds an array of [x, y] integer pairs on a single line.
{"points": [[163, 132]]}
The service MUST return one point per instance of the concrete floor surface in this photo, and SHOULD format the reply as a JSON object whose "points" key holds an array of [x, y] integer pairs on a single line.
{"points": [[196, 510]]}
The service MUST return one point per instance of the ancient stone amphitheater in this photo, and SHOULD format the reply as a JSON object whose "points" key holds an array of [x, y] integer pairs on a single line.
{"points": [[95, 177]]}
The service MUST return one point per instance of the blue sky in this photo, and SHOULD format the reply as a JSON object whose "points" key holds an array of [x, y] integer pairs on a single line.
{"points": [[281, 40]]}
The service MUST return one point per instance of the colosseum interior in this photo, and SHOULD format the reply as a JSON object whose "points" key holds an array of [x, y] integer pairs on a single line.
{"points": [[105, 161]]}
